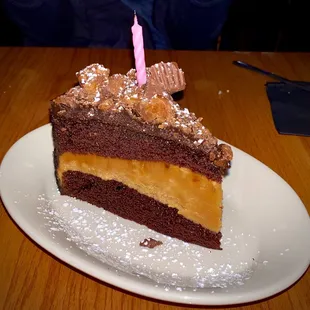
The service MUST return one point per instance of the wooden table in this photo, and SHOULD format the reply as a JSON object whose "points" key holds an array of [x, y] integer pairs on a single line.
{"points": [[234, 106]]}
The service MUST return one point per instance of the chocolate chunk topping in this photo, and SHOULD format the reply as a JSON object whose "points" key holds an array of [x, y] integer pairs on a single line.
{"points": [[150, 104], [164, 77], [150, 243]]}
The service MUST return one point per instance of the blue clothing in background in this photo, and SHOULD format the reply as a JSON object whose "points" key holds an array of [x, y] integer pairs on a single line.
{"points": [[167, 24]]}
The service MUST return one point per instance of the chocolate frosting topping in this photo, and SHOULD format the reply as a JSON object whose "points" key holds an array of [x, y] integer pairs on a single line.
{"points": [[150, 104]]}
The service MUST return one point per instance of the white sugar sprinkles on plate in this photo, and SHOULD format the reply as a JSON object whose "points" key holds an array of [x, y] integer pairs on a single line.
{"points": [[116, 241]]}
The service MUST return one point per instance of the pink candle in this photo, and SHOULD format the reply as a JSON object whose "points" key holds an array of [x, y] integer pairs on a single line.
{"points": [[137, 38]]}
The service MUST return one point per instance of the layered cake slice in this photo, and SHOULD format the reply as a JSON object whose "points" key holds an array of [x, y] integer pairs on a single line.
{"points": [[134, 152]]}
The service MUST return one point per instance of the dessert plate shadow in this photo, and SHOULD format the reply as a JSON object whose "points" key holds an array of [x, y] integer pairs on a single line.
{"points": [[266, 229]]}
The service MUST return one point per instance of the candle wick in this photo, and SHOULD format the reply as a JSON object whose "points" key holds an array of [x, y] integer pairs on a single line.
{"points": [[135, 17]]}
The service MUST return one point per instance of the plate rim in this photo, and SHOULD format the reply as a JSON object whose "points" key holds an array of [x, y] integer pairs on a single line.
{"points": [[132, 284]]}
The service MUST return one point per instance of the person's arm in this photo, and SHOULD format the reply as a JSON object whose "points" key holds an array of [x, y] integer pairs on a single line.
{"points": [[42, 22]]}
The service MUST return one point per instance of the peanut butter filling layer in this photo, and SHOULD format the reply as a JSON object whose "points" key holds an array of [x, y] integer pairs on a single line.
{"points": [[196, 197]]}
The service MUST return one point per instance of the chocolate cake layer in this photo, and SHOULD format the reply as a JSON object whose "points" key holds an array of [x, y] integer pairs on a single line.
{"points": [[127, 147], [128, 203], [91, 131]]}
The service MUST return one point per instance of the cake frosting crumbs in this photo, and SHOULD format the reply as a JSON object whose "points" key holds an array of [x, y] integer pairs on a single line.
{"points": [[150, 243], [135, 152]]}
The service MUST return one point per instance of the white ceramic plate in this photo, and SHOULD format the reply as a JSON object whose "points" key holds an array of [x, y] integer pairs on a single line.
{"points": [[266, 229]]}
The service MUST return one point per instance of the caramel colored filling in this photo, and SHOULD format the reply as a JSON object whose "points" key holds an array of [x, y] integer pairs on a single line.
{"points": [[196, 197]]}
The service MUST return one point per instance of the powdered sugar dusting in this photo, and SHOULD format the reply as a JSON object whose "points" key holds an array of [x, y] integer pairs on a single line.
{"points": [[116, 241]]}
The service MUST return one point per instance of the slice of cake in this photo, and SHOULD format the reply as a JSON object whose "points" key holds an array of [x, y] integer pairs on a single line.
{"points": [[134, 152]]}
